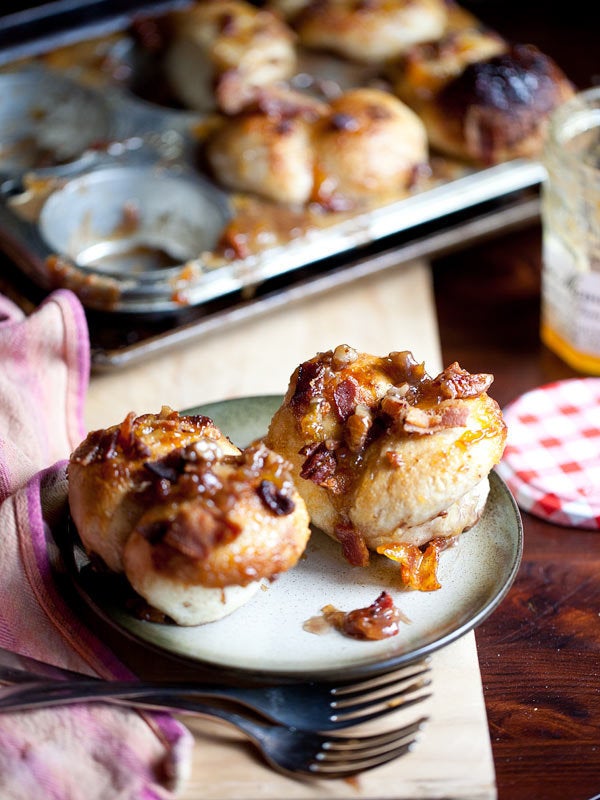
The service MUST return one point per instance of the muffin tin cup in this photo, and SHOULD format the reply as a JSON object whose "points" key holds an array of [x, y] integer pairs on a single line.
{"points": [[47, 120], [141, 228]]}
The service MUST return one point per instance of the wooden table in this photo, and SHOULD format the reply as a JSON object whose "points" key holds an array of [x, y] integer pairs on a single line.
{"points": [[539, 653]]}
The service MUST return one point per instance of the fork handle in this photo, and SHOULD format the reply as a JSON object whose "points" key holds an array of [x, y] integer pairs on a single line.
{"points": [[42, 694]]}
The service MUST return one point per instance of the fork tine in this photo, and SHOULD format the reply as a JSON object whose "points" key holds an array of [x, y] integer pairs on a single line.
{"points": [[343, 770], [379, 705], [381, 682], [340, 757], [346, 720], [367, 743]]}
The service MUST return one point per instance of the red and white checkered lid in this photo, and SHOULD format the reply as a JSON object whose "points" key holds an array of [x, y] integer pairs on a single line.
{"points": [[552, 458]]}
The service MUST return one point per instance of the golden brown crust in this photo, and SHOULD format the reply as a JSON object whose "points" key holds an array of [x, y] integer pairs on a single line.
{"points": [[294, 151], [221, 51], [190, 519], [109, 476], [481, 99], [225, 520], [370, 32], [369, 145], [383, 453]]}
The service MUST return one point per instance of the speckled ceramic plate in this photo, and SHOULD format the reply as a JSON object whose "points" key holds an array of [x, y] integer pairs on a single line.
{"points": [[267, 636]]}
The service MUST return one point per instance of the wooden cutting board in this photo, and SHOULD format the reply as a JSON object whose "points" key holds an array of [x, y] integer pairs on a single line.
{"points": [[391, 311]]}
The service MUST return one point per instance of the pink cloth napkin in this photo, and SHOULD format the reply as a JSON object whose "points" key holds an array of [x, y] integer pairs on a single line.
{"points": [[83, 752]]}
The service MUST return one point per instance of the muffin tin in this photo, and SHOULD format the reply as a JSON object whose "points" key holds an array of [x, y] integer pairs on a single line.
{"points": [[103, 192]]}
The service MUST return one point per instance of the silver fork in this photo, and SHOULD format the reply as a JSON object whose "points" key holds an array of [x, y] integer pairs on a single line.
{"points": [[290, 750], [305, 705]]}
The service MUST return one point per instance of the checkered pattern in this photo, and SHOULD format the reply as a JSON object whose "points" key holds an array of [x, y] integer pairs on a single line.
{"points": [[552, 458]]}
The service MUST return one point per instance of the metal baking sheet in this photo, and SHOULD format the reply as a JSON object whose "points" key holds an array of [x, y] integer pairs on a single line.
{"points": [[149, 313], [30, 29]]}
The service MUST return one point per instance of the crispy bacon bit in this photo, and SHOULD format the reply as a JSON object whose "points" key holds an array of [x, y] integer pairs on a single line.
{"points": [[375, 622], [274, 499], [320, 463], [353, 544], [418, 565], [101, 446], [308, 385], [194, 533], [126, 431], [127, 440], [433, 420], [345, 395]]}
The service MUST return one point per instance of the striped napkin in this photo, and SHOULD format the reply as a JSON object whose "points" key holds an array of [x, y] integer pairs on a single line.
{"points": [[83, 752]]}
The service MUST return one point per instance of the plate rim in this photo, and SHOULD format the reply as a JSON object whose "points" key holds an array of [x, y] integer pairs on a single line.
{"points": [[68, 545]]}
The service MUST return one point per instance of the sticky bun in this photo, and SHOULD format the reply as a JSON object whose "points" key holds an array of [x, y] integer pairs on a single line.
{"points": [[481, 99], [387, 458], [192, 522], [365, 144]]}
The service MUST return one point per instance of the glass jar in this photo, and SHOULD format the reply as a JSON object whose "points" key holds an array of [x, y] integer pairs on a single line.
{"points": [[570, 311]]}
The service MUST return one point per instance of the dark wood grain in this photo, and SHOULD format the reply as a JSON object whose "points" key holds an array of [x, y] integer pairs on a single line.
{"points": [[540, 650]]}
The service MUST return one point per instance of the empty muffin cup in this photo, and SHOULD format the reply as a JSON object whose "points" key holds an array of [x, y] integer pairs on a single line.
{"points": [[138, 224], [47, 120]]}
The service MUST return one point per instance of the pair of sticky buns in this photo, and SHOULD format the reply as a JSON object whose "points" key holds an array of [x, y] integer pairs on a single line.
{"points": [[374, 451], [194, 523], [364, 144]]}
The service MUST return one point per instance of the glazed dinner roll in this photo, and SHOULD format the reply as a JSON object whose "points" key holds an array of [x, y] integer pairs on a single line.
{"points": [[367, 32], [387, 458], [111, 470], [194, 523], [481, 99], [364, 145], [220, 51], [369, 145]]}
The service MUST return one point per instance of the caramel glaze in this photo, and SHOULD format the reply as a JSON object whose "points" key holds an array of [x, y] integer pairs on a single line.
{"points": [[344, 387], [172, 461], [196, 495], [374, 622]]}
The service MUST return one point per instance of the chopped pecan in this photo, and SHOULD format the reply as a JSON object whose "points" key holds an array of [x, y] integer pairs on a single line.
{"points": [[357, 428], [343, 356], [456, 382]]}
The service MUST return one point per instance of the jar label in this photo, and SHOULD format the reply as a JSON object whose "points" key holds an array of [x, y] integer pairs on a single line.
{"points": [[570, 299]]}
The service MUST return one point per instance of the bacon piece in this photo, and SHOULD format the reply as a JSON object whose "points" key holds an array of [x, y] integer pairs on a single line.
{"points": [[418, 420], [375, 622], [320, 464], [308, 385], [345, 396], [353, 544]]}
